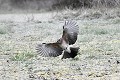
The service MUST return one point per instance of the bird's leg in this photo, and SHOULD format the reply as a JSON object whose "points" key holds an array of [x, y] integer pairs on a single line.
{"points": [[61, 55]]}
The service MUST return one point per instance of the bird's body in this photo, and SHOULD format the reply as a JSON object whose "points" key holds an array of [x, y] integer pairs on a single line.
{"points": [[63, 45], [72, 54]]}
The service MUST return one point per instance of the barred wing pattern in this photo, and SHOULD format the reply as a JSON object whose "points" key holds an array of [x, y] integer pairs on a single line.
{"points": [[49, 49], [70, 31], [69, 37]]}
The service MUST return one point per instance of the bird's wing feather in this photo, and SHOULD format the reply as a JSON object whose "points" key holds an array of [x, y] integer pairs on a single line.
{"points": [[49, 49], [70, 31], [71, 26]]}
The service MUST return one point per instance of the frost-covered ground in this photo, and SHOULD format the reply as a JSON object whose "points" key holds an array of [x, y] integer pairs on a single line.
{"points": [[98, 57]]}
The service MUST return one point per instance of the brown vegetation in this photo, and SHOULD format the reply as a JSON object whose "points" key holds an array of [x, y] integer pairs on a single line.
{"points": [[55, 4]]}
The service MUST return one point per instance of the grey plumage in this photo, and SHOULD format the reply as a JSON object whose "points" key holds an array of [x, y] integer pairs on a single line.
{"points": [[49, 49]]}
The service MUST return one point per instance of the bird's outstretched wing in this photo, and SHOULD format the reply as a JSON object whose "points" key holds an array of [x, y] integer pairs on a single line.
{"points": [[49, 49], [74, 51], [70, 31]]}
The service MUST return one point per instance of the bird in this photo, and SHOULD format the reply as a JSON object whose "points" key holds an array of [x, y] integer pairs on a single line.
{"points": [[64, 45]]}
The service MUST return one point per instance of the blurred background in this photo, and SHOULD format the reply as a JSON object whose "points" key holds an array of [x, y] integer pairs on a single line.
{"points": [[49, 5], [26, 23]]}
